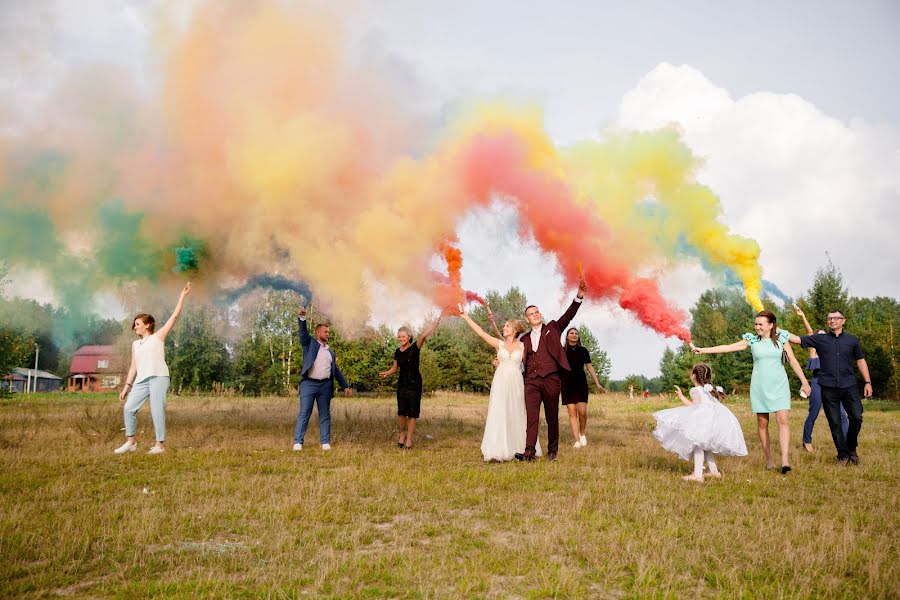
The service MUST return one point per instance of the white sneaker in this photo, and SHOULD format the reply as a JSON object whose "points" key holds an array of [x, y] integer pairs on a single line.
{"points": [[583, 441], [326, 447], [126, 447], [576, 445], [156, 450], [298, 447]]}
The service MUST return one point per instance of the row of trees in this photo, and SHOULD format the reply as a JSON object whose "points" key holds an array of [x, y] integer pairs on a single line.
{"points": [[252, 347], [722, 316]]}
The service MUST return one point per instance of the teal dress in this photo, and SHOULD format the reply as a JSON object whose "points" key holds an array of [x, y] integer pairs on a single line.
{"points": [[769, 388]]}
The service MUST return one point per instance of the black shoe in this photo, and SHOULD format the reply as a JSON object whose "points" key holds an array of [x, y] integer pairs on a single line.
{"points": [[524, 457], [399, 444], [854, 458], [785, 469], [551, 456]]}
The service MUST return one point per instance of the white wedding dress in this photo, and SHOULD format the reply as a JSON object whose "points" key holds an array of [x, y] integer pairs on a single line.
{"points": [[504, 429]]}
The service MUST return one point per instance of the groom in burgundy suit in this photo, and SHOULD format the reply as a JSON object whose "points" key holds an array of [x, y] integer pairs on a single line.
{"points": [[544, 360]]}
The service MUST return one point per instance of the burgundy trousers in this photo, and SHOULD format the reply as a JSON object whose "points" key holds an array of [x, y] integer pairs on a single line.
{"points": [[542, 390]]}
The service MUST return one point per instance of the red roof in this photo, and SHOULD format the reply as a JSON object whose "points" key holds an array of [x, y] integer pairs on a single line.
{"points": [[104, 350], [86, 359]]}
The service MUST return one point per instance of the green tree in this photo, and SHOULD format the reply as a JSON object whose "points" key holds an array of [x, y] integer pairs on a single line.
{"points": [[599, 358], [196, 352], [828, 292]]}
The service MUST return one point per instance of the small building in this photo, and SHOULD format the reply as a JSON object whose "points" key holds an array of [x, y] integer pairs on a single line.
{"points": [[32, 380], [95, 369]]}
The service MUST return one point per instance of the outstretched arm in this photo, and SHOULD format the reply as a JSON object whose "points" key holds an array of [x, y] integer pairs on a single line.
{"points": [[477, 329], [735, 347], [428, 331], [165, 329], [389, 372], [804, 384]]}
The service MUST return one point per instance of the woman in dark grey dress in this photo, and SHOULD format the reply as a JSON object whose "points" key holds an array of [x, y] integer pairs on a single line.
{"points": [[409, 382], [575, 386]]}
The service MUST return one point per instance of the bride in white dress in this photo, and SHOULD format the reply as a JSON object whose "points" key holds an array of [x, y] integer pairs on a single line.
{"points": [[504, 429]]}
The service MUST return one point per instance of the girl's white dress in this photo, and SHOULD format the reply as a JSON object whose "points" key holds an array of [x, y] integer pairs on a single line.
{"points": [[707, 424], [504, 428]]}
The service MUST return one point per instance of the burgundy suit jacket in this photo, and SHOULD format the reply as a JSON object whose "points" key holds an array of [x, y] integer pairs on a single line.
{"points": [[550, 336]]}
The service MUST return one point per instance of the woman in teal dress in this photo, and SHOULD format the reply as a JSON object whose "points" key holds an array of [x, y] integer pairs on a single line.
{"points": [[769, 388]]}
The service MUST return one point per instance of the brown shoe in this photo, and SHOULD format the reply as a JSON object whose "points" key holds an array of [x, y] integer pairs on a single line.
{"points": [[843, 462], [526, 457], [808, 447], [551, 456], [854, 458]]}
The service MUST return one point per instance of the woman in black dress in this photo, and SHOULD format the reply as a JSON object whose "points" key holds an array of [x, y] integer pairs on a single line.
{"points": [[409, 382], [575, 386]]}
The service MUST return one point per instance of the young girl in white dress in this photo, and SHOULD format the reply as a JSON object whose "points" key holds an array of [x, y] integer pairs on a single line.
{"points": [[702, 428], [505, 426]]}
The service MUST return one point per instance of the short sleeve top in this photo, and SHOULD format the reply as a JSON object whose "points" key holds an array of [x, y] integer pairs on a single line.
{"points": [[783, 336], [408, 365]]}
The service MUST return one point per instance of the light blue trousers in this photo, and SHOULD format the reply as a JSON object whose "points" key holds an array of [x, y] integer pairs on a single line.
{"points": [[154, 388]]}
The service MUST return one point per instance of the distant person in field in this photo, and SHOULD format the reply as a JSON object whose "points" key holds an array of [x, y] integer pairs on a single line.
{"points": [[409, 382], [838, 351], [148, 377], [317, 377], [815, 395], [702, 427], [575, 386], [769, 388], [506, 423]]}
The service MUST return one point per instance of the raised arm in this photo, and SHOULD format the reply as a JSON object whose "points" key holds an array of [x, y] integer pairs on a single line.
{"points": [[477, 329], [735, 347], [490, 315], [428, 331], [303, 328], [567, 316], [681, 397], [806, 325], [798, 371], [165, 329]]}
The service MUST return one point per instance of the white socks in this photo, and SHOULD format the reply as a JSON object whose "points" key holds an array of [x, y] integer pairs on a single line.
{"points": [[699, 457]]}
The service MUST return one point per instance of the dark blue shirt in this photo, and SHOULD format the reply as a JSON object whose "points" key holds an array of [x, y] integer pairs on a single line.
{"points": [[837, 354]]}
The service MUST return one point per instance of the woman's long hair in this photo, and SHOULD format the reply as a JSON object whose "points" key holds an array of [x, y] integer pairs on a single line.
{"points": [[575, 329]]}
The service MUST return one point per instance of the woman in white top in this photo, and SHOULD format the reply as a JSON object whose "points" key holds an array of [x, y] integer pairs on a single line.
{"points": [[148, 377]]}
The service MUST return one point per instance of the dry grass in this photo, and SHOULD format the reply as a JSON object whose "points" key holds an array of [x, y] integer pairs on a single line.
{"points": [[230, 511]]}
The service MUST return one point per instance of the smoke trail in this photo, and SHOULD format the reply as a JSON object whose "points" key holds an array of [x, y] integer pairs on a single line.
{"points": [[773, 289], [274, 282]]}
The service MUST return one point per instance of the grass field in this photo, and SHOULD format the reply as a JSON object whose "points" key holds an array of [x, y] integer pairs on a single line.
{"points": [[230, 511]]}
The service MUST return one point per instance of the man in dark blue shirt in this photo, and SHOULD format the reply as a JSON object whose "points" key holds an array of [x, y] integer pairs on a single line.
{"points": [[838, 351]]}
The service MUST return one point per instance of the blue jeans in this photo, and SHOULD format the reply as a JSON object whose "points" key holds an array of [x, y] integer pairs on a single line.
{"points": [[815, 405], [319, 393], [154, 388]]}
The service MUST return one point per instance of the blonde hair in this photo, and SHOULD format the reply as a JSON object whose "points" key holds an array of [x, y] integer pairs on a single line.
{"points": [[516, 326], [405, 330]]}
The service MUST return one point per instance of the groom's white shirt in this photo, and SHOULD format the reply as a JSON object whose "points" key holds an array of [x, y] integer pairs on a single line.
{"points": [[536, 336], [536, 331]]}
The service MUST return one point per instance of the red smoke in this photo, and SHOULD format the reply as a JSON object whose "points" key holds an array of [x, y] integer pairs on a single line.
{"points": [[498, 164]]}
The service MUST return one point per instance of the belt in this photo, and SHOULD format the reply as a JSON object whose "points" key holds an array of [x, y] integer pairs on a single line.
{"points": [[319, 380]]}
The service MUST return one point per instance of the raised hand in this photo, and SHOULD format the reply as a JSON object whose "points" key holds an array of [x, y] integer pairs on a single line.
{"points": [[462, 310], [301, 312], [186, 290], [798, 310], [582, 286]]}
